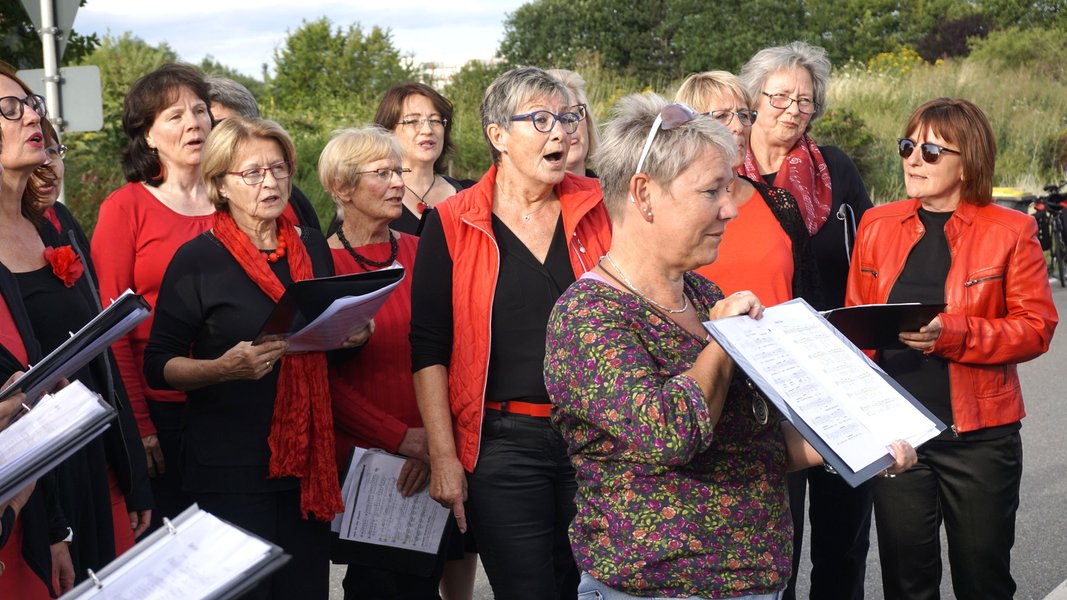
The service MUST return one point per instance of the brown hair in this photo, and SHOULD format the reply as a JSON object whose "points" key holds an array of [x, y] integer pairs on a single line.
{"points": [[220, 151], [392, 104], [149, 96], [30, 202], [963, 124]]}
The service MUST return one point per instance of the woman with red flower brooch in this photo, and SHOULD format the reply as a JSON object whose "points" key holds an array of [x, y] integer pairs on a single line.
{"points": [[55, 284]]}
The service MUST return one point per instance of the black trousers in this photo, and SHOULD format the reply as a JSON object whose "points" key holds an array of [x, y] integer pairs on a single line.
{"points": [[840, 518], [275, 517], [973, 487], [167, 487], [520, 505]]}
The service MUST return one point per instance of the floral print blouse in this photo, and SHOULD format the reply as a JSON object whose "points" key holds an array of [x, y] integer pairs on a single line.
{"points": [[669, 504]]}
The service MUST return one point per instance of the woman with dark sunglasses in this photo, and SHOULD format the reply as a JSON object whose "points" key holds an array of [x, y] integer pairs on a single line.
{"points": [[949, 243], [492, 261]]}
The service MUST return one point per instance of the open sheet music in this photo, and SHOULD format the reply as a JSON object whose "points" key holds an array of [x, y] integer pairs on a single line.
{"points": [[318, 314], [125, 313], [376, 513], [840, 401], [51, 431], [196, 556]]}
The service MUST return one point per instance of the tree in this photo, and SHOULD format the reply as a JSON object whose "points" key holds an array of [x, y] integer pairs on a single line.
{"points": [[318, 62], [22, 44], [210, 66], [465, 91]]}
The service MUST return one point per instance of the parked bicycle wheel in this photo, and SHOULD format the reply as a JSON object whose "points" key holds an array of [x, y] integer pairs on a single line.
{"points": [[1059, 250]]}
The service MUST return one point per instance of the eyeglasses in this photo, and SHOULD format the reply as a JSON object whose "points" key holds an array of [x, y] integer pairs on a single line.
{"points": [[747, 117], [544, 120], [386, 174], [282, 170], [57, 151], [12, 107], [581, 110], [671, 116], [931, 153], [806, 106], [418, 123]]}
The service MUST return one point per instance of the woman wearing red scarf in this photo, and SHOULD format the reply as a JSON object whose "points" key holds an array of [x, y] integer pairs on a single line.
{"points": [[789, 85], [257, 446]]}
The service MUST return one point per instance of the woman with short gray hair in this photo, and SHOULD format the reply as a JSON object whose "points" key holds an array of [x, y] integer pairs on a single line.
{"points": [[789, 84], [491, 262], [680, 465]]}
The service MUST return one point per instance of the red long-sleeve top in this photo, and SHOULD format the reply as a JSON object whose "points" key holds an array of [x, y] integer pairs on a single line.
{"points": [[374, 393]]}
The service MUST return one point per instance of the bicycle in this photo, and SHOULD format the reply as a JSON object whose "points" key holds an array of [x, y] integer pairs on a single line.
{"points": [[1050, 229]]}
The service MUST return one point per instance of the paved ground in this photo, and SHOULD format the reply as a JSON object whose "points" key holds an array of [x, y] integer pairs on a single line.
{"points": [[1040, 555]]}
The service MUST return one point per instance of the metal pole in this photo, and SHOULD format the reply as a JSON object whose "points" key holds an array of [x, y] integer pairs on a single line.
{"points": [[49, 32]]}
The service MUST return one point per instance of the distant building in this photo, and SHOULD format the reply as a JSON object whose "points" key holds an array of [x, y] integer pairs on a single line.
{"points": [[439, 75]]}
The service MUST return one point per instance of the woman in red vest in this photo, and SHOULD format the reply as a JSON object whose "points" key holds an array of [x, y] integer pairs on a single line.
{"points": [[491, 263]]}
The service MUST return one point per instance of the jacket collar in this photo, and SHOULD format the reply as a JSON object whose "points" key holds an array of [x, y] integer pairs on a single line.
{"points": [[577, 195], [965, 211]]}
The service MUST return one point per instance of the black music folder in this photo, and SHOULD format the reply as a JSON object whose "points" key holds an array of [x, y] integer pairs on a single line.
{"points": [[195, 556], [96, 336], [314, 307], [876, 326]]}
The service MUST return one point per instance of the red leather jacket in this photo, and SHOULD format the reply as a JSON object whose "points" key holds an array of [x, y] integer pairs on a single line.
{"points": [[999, 305], [467, 222]]}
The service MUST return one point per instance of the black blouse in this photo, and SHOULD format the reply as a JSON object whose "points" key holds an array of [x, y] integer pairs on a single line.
{"points": [[207, 304], [526, 291]]}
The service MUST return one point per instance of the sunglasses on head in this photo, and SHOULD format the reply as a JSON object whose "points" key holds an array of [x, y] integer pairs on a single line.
{"points": [[930, 152], [673, 115]]}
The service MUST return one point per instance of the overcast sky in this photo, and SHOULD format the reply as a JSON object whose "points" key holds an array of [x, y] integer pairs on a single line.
{"points": [[243, 34]]}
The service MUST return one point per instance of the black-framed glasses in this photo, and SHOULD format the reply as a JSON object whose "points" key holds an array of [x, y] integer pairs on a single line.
{"points": [[384, 174], [544, 120], [930, 152], [57, 151], [282, 170], [13, 107], [420, 122], [747, 117], [671, 116], [581, 110], [806, 106]]}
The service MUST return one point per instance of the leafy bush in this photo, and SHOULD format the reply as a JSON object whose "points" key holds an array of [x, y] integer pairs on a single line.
{"points": [[843, 128], [1041, 50]]}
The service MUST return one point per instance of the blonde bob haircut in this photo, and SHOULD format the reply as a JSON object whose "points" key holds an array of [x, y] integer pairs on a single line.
{"points": [[672, 151], [699, 88], [348, 152], [225, 143]]}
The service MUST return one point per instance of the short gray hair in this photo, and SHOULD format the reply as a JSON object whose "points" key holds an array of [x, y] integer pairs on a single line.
{"points": [[509, 91], [672, 151], [232, 95], [791, 56]]}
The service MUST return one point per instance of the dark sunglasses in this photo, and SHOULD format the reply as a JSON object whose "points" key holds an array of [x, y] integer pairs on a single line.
{"points": [[931, 153]]}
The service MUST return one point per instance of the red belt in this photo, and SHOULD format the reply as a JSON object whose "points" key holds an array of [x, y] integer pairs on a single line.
{"points": [[531, 409]]}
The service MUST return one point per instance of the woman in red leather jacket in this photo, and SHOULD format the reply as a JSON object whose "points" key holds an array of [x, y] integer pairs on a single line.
{"points": [[948, 243]]}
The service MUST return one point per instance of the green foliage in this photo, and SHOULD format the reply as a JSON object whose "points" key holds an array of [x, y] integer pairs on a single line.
{"points": [[22, 44], [465, 92], [210, 66], [1045, 50], [318, 62], [895, 64], [845, 129]]}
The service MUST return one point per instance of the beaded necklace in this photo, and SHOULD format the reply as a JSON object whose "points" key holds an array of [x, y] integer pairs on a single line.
{"points": [[366, 263]]}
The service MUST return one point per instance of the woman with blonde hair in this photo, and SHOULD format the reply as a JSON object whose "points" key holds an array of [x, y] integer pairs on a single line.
{"points": [[585, 140]]}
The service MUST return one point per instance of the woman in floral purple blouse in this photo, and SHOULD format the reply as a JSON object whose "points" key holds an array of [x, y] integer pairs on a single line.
{"points": [[680, 466]]}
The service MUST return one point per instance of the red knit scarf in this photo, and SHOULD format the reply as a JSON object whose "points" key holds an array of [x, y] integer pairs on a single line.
{"points": [[301, 432], [805, 175]]}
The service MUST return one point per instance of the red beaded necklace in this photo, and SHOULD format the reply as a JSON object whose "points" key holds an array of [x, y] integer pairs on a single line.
{"points": [[279, 252]]}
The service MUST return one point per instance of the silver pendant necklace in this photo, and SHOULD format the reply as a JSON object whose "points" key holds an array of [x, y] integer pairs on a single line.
{"points": [[626, 281]]}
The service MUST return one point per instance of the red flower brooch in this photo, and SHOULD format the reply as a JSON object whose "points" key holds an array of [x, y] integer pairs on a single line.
{"points": [[66, 264]]}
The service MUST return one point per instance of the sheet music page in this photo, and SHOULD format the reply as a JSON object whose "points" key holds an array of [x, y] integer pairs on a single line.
{"points": [[348, 490], [825, 383], [343, 317], [203, 557], [55, 415], [377, 514]]}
